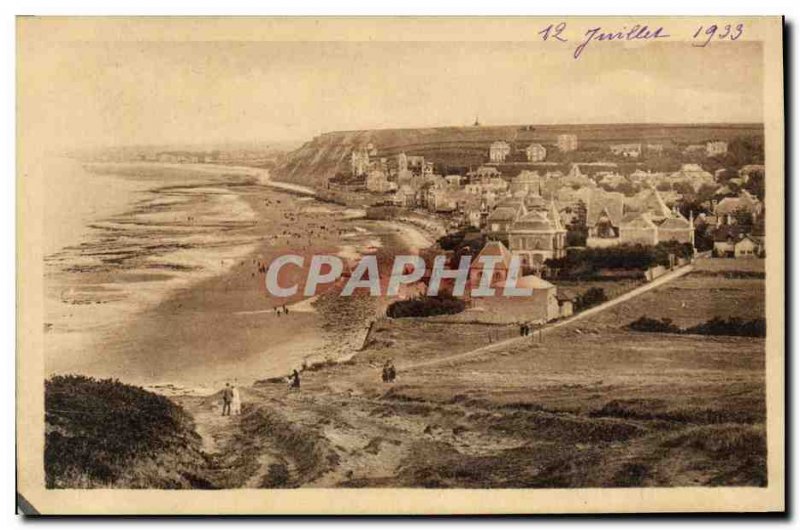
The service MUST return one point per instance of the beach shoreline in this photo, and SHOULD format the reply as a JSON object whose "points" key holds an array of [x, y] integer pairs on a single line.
{"points": [[223, 326]]}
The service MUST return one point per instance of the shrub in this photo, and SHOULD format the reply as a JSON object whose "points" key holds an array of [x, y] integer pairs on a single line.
{"points": [[106, 433], [652, 325], [426, 306], [734, 326], [591, 297], [588, 262]]}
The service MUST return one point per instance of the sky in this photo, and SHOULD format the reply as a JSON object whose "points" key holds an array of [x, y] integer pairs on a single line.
{"points": [[88, 94]]}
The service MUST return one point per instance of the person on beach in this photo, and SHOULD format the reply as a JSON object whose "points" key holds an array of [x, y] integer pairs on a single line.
{"points": [[227, 397], [236, 401]]}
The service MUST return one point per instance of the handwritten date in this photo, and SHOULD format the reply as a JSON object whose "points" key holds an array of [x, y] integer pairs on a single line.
{"points": [[721, 32], [701, 38]]}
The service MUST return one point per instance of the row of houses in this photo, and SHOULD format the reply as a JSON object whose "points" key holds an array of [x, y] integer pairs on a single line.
{"points": [[535, 152], [500, 150], [712, 148], [645, 219]]}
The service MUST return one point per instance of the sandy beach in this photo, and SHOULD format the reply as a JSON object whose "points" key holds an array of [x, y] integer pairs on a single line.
{"points": [[177, 298]]}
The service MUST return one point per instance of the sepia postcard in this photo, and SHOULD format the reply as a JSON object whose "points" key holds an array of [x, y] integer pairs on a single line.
{"points": [[501, 265]]}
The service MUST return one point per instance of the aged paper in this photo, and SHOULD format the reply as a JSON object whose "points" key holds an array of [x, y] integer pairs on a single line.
{"points": [[400, 265]]}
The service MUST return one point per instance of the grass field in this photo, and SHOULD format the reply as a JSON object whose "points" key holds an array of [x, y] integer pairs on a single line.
{"points": [[705, 293], [597, 405]]}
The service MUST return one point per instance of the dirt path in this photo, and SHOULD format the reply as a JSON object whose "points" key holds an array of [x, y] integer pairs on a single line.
{"points": [[677, 273], [344, 430]]}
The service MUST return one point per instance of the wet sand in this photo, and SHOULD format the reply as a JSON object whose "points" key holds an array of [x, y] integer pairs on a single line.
{"points": [[222, 325]]}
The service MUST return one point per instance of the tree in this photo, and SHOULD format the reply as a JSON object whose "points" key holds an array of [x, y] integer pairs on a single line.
{"points": [[726, 175], [743, 217], [755, 184]]}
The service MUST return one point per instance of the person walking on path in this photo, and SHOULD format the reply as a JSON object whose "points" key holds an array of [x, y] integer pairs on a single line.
{"points": [[389, 372], [294, 379], [236, 401], [227, 397]]}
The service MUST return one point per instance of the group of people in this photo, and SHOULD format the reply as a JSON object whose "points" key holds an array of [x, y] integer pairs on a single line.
{"points": [[283, 310], [524, 330], [231, 401], [389, 372]]}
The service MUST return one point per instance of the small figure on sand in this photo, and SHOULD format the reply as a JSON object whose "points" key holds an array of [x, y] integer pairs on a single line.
{"points": [[236, 402], [389, 373], [227, 398], [294, 379]]}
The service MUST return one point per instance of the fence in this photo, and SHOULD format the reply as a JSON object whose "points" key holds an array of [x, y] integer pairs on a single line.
{"points": [[655, 272]]}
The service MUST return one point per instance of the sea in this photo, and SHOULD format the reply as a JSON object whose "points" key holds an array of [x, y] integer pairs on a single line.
{"points": [[119, 239]]}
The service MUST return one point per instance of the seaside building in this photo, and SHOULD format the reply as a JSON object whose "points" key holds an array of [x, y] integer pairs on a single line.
{"points": [[402, 162], [498, 151], [539, 307], [359, 162], [478, 268], [527, 182], [377, 182], [716, 148], [613, 219], [405, 197], [638, 228], [604, 212], [627, 150], [482, 173], [538, 236], [725, 239], [504, 215], [655, 149], [415, 164], [567, 142], [535, 153], [613, 180], [745, 202], [693, 174], [642, 228], [453, 181]]}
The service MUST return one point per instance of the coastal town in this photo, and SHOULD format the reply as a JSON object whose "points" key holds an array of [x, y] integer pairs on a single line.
{"points": [[553, 207], [640, 251], [584, 220], [641, 264]]}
